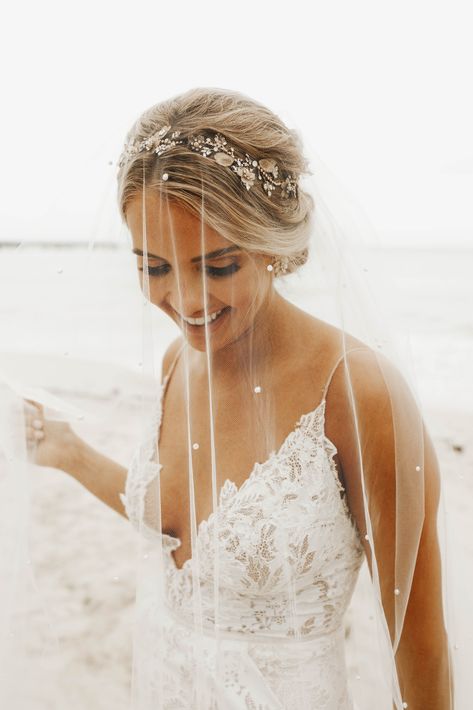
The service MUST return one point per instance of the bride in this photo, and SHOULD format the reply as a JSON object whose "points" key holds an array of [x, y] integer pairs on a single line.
{"points": [[284, 451]]}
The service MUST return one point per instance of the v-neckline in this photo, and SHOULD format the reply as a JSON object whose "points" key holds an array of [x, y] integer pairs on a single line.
{"points": [[257, 466]]}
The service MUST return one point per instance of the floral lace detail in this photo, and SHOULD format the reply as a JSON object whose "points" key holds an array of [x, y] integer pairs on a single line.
{"points": [[287, 527], [264, 549], [240, 675]]}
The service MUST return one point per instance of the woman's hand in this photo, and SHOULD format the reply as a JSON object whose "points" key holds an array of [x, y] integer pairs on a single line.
{"points": [[49, 443], [55, 444]]}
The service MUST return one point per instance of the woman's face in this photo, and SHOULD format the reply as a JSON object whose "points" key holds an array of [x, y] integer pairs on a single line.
{"points": [[198, 278]]}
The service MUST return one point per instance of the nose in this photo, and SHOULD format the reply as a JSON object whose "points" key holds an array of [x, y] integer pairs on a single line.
{"points": [[186, 295]]}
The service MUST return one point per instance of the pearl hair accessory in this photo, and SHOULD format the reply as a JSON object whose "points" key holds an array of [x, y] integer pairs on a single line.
{"points": [[280, 265], [216, 147]]}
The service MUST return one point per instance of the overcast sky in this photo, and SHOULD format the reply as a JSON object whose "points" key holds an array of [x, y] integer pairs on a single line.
{"points": [[380, 91]]}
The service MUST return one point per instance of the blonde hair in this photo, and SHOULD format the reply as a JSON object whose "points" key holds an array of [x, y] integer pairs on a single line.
{"points": [[249, 218]]}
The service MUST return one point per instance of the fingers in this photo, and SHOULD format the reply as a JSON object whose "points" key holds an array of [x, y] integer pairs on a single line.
{"points": [[33, 410], [31, 405], [34, 421], [34, 434]]}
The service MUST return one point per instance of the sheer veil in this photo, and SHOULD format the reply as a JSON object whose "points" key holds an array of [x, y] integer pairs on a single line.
{"points": [[298, 360]]}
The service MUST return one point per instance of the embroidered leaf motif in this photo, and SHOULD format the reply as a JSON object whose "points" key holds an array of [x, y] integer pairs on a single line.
{"points": [[305, 545], [285, 528], [309, 558]]}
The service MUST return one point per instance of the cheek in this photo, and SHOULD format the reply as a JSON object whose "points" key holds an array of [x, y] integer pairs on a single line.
{"points": [[235, 292], [248, 293], [151, 289]]}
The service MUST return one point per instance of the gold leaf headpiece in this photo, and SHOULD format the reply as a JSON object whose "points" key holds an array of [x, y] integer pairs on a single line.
{"points": [[216, 147]]}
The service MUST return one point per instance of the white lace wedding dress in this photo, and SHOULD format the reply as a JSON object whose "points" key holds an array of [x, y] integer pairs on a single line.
{"points": [[289, 517]]}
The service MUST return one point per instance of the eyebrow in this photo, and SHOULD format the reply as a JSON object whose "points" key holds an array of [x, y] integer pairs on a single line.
{"points": [[195, 259]]}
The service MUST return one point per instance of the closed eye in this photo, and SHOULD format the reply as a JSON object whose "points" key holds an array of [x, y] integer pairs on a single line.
{"points": [[156, 270], [214, 271]]}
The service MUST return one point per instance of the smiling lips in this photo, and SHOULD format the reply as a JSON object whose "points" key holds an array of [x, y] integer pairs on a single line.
{"points": [[205, 319]]}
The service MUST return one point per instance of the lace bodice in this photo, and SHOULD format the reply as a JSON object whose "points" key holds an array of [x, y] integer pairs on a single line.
{"points": [[287, 527]]}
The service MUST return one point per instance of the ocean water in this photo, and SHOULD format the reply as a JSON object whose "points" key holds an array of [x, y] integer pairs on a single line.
{"points": [[69, 302], [433, 306]]}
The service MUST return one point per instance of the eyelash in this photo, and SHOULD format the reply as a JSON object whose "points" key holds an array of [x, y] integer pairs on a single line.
{"points": [[214, 271]]}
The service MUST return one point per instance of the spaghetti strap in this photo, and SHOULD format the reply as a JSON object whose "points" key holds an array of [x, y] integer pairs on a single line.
{"points": [[327, 385], [171, 369]]}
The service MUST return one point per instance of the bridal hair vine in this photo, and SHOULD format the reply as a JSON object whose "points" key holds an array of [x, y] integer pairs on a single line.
{"points": [[279, 265], [216, 147]]}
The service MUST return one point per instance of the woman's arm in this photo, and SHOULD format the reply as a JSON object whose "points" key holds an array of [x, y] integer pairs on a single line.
{"points": [[422, 657], [102, 476], [56, 445]]}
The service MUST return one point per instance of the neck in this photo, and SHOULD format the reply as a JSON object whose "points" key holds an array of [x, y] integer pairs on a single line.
{"points": [[265, 342]]}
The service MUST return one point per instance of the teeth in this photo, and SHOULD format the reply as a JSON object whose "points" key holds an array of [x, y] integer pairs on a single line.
{"points": [[202, 321]]}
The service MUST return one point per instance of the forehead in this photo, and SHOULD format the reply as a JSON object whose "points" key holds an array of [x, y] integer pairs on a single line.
{"points": [[170, 227]]}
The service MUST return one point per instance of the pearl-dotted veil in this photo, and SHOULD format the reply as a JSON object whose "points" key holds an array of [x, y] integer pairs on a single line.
{"points": [[267, 367]]}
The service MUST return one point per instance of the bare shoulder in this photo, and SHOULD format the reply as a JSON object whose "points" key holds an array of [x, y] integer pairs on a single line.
{"points": [[367, 401], [375, 383], [370, 370], [370, 381], [328, 344], [370, 373], [170, 354], [378, 382]]}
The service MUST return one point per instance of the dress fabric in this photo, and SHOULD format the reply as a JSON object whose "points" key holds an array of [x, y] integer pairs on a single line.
{"points": [[285, 534]]}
